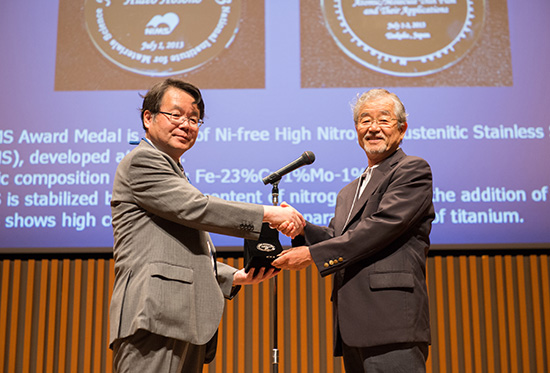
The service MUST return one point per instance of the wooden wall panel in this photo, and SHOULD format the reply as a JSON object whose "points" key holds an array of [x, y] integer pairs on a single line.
{"points": [[489, 313]]}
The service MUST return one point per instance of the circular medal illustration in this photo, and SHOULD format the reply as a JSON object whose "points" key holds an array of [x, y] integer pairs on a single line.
{"points": [[404, 37], [161, 37]]}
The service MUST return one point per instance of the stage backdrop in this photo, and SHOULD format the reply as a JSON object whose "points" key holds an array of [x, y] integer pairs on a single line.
{"points": [[278, 79]]}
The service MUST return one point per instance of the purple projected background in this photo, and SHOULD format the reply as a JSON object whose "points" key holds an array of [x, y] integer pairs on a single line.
{"points": [[282, 86]]}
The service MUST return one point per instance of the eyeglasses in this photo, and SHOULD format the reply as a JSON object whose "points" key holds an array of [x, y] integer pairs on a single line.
{"points": [[382, 122], [179, 119]]}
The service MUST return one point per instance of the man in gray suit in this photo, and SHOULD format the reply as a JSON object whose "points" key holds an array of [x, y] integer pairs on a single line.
{"points": [[376, 246], [169, 290]]}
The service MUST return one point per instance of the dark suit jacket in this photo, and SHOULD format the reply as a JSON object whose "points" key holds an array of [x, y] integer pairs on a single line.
{"points": [[379, 256], [164, 276]]}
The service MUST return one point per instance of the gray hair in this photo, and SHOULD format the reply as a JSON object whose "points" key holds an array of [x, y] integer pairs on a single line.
{"points": [[373, 94]]}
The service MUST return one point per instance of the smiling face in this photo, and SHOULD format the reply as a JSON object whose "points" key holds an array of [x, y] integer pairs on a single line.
{"points": [[378, 130], [171, 138]]}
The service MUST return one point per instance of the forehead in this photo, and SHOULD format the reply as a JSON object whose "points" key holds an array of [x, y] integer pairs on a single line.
{"points": [[382, 105], [177, 97]]}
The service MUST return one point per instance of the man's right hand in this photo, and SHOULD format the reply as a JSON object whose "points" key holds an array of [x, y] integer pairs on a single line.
{"points": [[284, 218]]}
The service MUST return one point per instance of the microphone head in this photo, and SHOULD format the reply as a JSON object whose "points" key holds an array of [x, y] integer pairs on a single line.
{"points": [[308, 157]]}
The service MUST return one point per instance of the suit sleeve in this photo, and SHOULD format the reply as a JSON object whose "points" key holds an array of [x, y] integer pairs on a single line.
{"points": [[389, 213], [225, 279], [315, 233], [157, 188]]}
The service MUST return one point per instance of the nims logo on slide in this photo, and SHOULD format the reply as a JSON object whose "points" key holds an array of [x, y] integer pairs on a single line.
{"points": [[162, 25]]}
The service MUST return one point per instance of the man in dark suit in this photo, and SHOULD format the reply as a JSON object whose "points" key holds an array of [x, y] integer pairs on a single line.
{"points": [[169, 290], [376, 247]]}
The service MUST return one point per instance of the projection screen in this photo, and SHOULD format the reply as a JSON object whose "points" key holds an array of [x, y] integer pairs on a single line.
{"points": [[278, 78]]}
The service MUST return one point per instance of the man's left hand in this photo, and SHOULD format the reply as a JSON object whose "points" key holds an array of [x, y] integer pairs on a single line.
{"points": [[242, 278]]}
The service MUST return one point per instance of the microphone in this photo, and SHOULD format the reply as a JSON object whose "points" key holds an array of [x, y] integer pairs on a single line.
{"points": [[306, 158]]}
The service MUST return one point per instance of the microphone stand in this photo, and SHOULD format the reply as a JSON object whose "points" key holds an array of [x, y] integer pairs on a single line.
{"points": [[275, 356]]}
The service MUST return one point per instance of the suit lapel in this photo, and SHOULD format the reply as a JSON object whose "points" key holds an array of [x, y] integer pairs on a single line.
{"points": [[177, 167], [374, 181], [348, 195], [378, 175]]}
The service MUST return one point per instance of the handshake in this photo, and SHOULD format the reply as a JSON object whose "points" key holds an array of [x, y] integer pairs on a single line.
{"points": [[285, 218]]}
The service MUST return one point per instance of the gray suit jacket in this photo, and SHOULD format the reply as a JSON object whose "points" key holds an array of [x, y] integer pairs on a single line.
{"points": [[165, 281], [379, 256]]}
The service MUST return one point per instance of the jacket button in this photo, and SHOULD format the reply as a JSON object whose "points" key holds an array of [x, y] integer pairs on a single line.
{"points": [[340, 259], [326, 265]]}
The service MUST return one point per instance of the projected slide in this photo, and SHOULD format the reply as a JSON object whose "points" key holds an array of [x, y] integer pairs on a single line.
{"points": [[278, 78]]}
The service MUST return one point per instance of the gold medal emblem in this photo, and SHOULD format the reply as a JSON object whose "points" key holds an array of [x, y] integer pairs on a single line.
{"points": [[161, 37], [404, 37]]}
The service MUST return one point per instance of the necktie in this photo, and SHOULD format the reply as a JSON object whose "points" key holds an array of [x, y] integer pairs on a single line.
{"points": [[365, 177], [212, 253], [361, 185], [184, 174]]}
